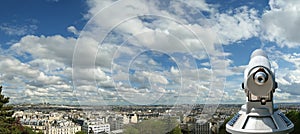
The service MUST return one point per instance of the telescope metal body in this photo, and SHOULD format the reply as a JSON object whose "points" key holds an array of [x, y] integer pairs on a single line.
{"points": [[259, 115]]}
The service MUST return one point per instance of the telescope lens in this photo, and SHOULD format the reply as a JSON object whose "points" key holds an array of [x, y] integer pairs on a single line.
{"points": [[260, 78]]}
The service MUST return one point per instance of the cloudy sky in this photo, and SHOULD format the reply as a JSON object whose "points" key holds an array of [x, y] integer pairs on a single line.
{"points": [[144, 52]]}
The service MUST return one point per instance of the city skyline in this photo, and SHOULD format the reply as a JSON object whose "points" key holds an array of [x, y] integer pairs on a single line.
{"points": [[144, 52]]}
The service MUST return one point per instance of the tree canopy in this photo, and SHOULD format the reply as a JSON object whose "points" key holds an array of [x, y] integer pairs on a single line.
{"points": [[154, 126], [294, 116], [8, 124]]}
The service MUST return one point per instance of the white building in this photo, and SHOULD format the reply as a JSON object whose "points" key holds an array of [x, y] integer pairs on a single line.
{"points": [[116, 122], [63, 130], [202, 127], [134, 119], [126, 119], [62, 127], [95, 127]]}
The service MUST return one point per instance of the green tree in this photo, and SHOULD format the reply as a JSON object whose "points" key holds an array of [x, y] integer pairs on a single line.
{"points": [[153, 126], [294, 116], [6, 113], [176, 130], [8, 124], [131, 130], [222, 129]]}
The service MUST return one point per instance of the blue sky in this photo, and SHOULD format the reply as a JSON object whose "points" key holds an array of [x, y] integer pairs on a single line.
{"points": [[45, 17], [144, 52]]}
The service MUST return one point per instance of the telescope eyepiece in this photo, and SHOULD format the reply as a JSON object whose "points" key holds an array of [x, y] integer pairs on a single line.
{"points": [[260, 77]]}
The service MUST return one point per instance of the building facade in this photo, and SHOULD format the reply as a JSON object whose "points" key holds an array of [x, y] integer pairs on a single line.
{"points": [[95, 127]]}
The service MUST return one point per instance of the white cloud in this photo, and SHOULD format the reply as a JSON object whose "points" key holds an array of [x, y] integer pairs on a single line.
{"points": [[199, 4], [24, 82], [174, 71], [51, 47], [165, 35], [11, 66], [240, 24], [170, 30], [286, 73], [214, 31], [10, 29], [283, 97], [155, 78], [73, 30], [281, 23], [46, 74], [47, 65]]}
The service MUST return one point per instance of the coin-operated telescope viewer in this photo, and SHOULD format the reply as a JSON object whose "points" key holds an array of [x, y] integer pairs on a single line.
{"points": [[259, 115]]}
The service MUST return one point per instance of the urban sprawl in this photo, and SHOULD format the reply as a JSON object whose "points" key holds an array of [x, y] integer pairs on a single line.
{"points": [[59, 119]]}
